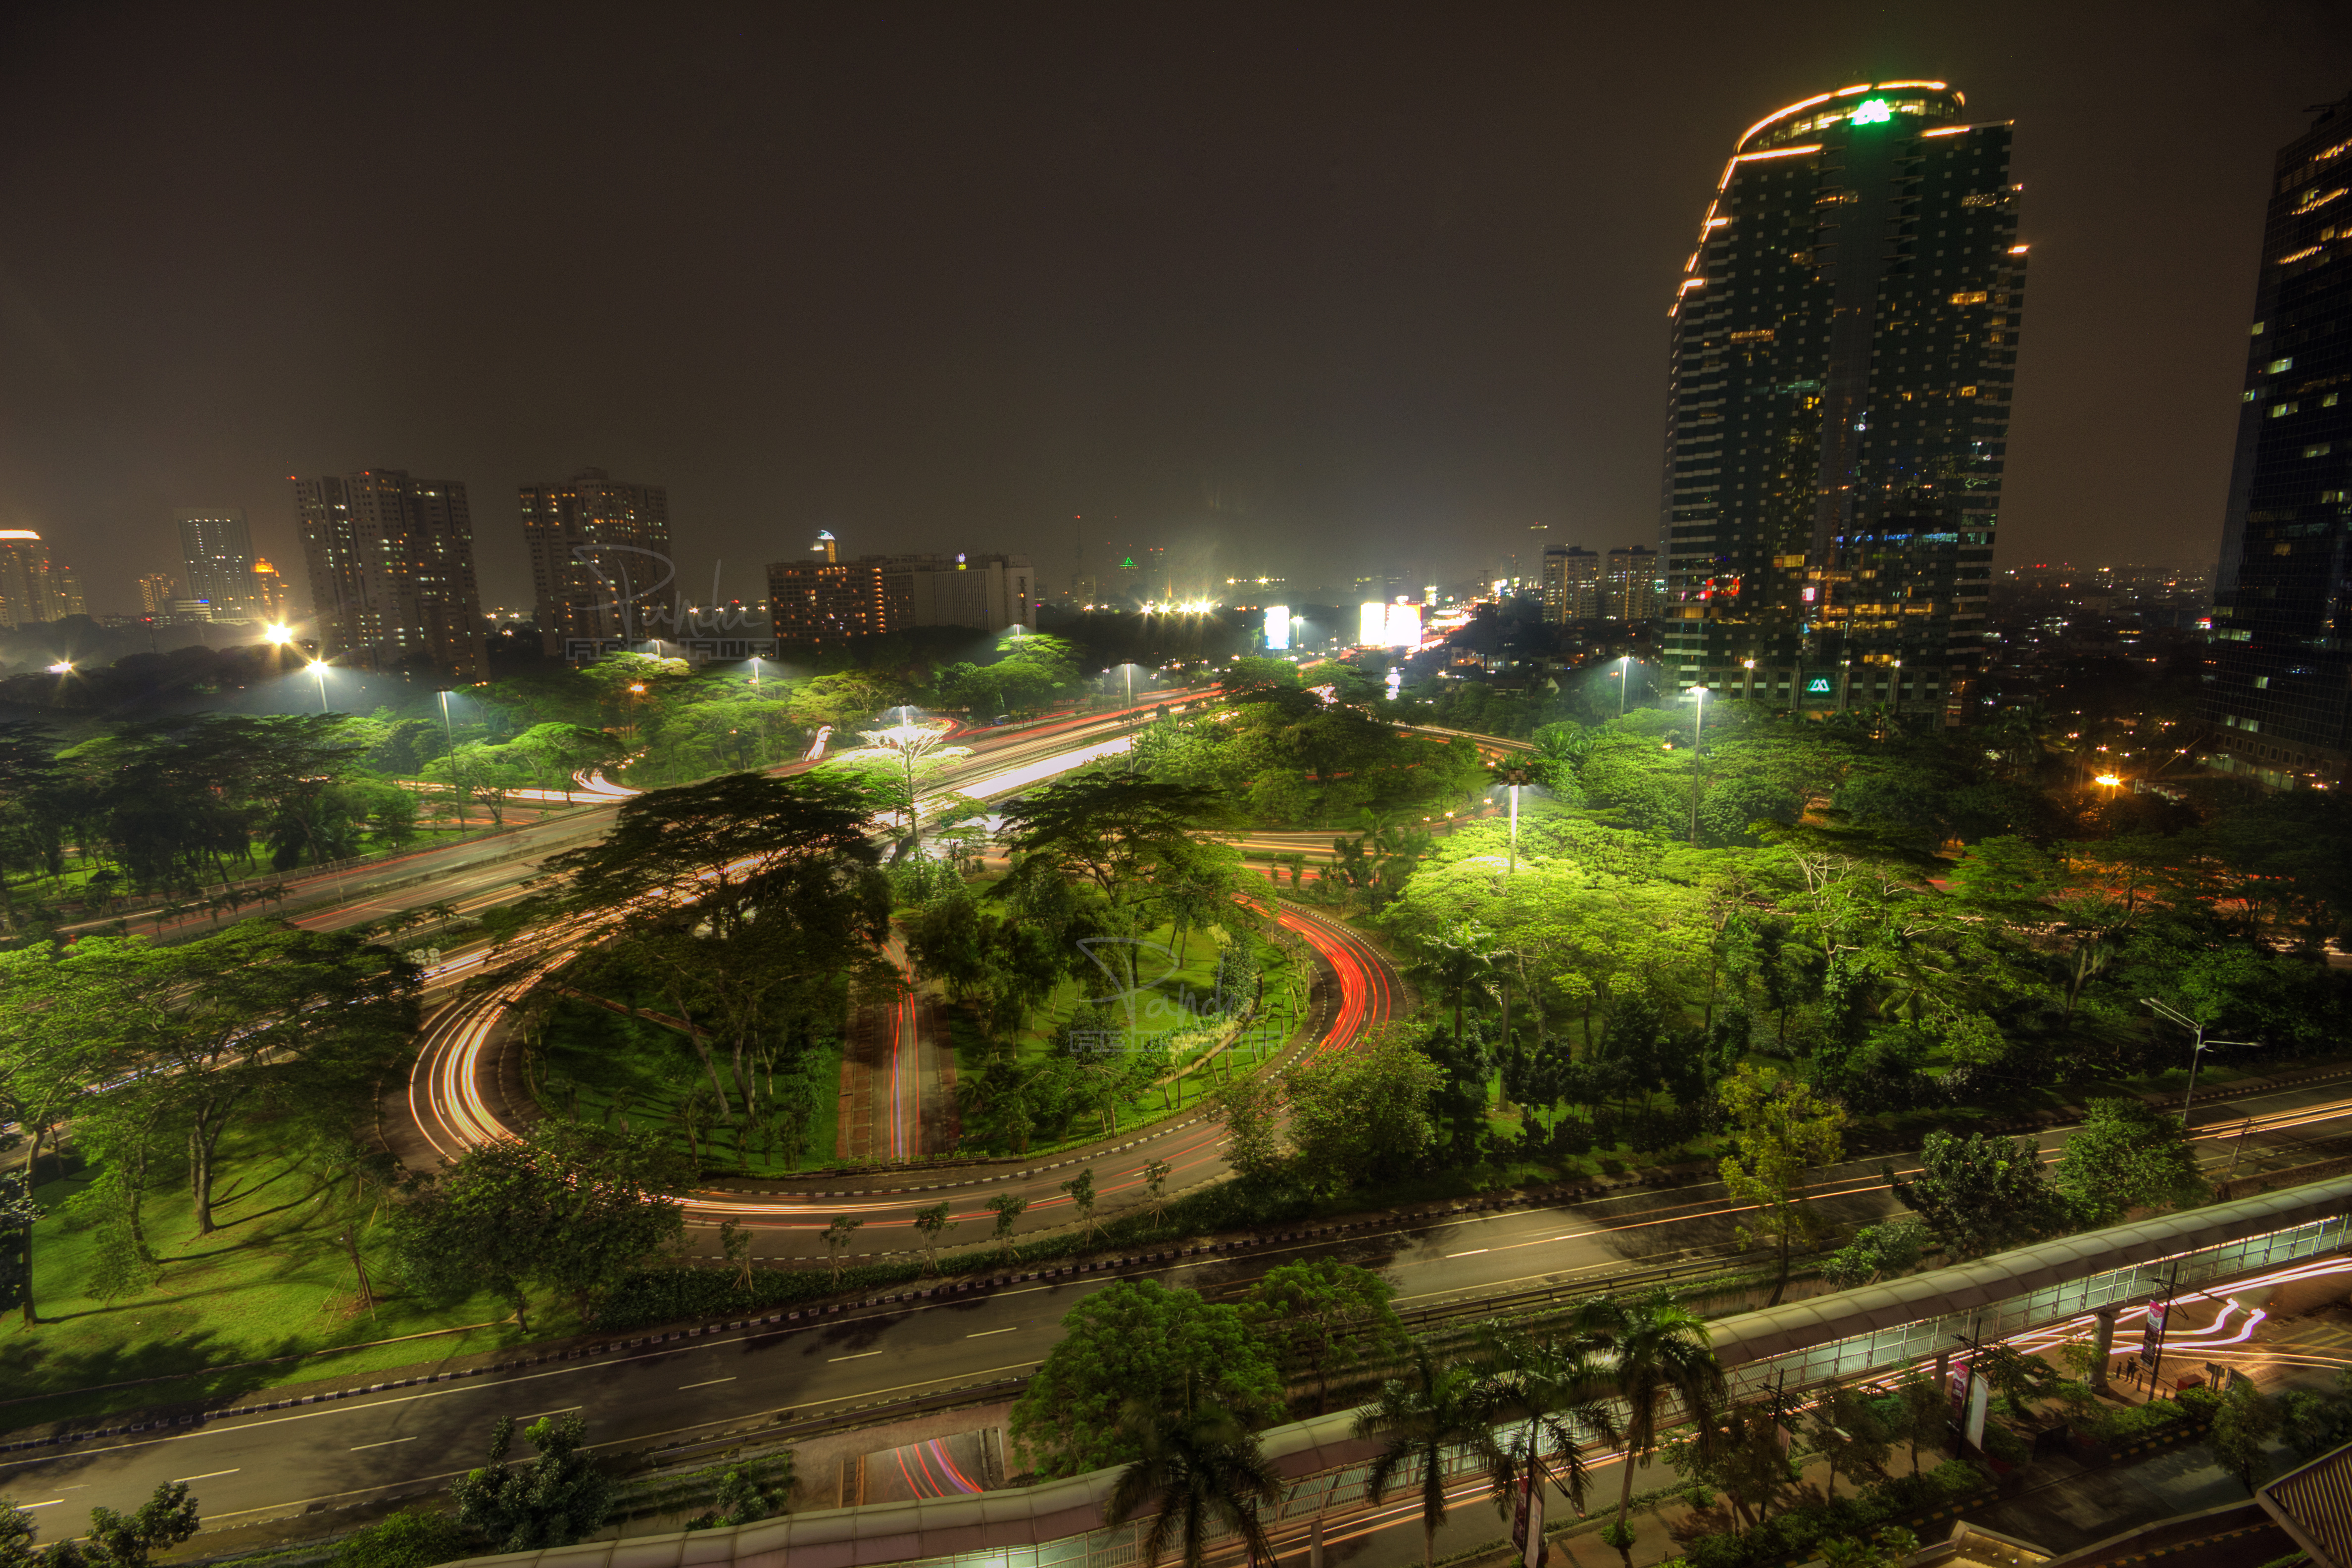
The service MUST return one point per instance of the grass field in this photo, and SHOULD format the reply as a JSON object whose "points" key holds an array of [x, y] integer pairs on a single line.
{"points": [[270, 1282], [630, 1070]]}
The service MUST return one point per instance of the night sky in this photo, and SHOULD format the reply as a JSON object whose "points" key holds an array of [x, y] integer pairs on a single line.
{"points": [[1310, 290]]}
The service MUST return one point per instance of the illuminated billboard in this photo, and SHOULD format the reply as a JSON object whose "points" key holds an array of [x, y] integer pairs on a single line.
{"points": [[1401, 626], [1278, 628], [1372, 626]]}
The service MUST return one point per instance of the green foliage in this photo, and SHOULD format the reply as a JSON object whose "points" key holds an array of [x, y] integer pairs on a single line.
{"points": [[1778, 1132], [559, 1497], [1878, 1252], [1981, 1194], [1204, 1474], [405, 1538], [1138, 1340], [2242, 1428], [2126, 1155], [1360, 1112], [127, 1541], [1326, 1316]]}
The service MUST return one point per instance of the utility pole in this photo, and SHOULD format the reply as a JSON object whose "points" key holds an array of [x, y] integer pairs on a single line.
{"points": [[2199, 1046]]}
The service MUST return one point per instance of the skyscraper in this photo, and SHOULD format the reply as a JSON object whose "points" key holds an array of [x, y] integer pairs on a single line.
{"points": [[822, 599], [1633, 591], [1843, 344], [391, 561], [156, 592], [1571, 583], [217, 550], [599, 548], [2280, 697], [270, 599], [25, 595]]}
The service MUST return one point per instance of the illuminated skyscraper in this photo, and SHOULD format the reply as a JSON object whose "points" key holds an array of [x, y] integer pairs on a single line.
{"points": [[156, 592], [599, 555], [25, 597], [392, 571], [1843, 345], [1571, 584], [217, 550], [2280, 699]]}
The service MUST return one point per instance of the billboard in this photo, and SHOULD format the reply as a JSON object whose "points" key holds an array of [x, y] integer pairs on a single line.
{"points": [[1278, 628], [1401, 626], [1372, 625]]}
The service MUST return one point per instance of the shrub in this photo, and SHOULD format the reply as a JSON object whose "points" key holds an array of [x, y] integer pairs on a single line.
{"points": [[411, 1538]]}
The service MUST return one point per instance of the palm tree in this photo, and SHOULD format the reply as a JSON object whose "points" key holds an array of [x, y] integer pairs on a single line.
{"points": [[1541, 1393], [1204, 1469], [1418, 1418], [1657, 1350]]}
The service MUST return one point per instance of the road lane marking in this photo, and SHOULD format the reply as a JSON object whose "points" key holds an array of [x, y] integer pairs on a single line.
{"points": [[985, 1332], [855, 1355], [1472, 1253], [712, 1384], [208, 1475], [53, 1502], [387, 1443]]}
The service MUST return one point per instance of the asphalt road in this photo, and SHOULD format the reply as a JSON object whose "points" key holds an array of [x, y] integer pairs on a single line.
{"points": [[283, 1462]]}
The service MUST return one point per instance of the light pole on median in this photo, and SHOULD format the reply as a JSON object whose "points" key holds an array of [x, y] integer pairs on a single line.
{"points": [[2199, 1046]]}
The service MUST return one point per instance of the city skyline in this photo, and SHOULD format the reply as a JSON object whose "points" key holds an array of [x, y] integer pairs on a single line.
{"points": [[1485, 365]]}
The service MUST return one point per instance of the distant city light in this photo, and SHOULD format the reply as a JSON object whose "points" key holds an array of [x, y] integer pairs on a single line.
{"points": [[1372, 625], [1277, 628], [1401, 624], [63, 666]]}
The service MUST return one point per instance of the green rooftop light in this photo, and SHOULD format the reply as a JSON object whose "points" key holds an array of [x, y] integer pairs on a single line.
{"points": [[1872, 111]]}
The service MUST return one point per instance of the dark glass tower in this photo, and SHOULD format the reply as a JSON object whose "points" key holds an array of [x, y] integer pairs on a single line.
{"points": [[2281, 680], [1843, 347]]}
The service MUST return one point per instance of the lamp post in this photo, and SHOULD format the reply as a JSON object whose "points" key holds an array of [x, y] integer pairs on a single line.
{"points": [[319, 669], [755, 671], [2199, 1047], [1624, 679], [1698, 754], [1515, 779], [449, 737]]}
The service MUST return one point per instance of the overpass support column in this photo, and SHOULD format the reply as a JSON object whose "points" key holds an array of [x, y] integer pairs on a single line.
{"points": [[2103, 1341]]}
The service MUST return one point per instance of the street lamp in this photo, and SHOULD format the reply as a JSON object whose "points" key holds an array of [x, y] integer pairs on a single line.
{"points": [[755, 670], [276, 633], [318, 668], [1624, 679], [450, 737], [1698, 750], [2197, 1052], [63, 666], [1515, 779]]}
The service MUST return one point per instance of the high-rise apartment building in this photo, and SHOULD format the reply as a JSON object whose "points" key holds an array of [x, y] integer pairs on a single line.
{"points": [[1571, 584], [599, 547], [1633, 591], [820, 600], [217, 551], [156, 592], [272, 600], [1843, 345], [2280, 703], [391, 561], [25, 595]]}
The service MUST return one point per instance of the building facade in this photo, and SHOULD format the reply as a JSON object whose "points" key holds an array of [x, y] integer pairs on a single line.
{"points": [[156, 592], [1843, 344], [599, 549], [2280, 698], [34, 590], [818, 599], [1632, 584], [271, 599], [391, 561], [216, 549], [1573, 581]]}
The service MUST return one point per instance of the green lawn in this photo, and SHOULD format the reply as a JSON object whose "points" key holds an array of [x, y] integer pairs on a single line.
{"points": [[629, 1070], [270, 1282]]}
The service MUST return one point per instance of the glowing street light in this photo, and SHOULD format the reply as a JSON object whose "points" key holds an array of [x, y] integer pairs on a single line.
{"points": [[318, 668], [63, 666], [755, 669], [1516, 779], [1698, 749], [278, 633]]}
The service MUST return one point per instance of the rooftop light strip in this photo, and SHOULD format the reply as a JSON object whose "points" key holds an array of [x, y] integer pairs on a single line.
{"points": [[1740, 158], [1782, 114]]}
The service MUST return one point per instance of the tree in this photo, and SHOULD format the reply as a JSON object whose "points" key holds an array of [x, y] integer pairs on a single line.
{"points": [[1155, 1187], [16, 1537], [1325, 1315], [18, 1213], [1659, 1352], [1201, 1467], [1136, 1339], [1007, 1207], [1080, 1191], [2243, 1429], [1419, 1420], [1549, 1398], [2126, 1155], [1980, 1194], [1877, 1251], [1778, 1132], [1354, 1113], [561, 1497], [570, 1207], [1250, 1109], [405, 1538], [2015, 1375], [932, 1224], [1927, 1412], [1846, 1431], [125, 1540], [835, 1237]]}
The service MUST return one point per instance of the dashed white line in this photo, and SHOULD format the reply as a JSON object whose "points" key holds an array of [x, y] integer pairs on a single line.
{"points": [[387, 1443], [208, 1475], [712, 1383], [858, 1355], [53, 1502], [1472, 1253], [985, 1332]]}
